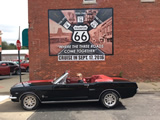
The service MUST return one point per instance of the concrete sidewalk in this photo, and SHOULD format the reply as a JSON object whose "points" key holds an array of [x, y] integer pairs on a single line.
{"points": [[148, 86], [8, 81]]}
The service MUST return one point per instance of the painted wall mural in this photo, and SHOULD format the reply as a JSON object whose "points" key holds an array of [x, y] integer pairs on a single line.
{"points": [[81, 34]]}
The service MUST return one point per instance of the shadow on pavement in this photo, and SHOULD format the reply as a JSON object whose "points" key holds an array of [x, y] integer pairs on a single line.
{"points": [[5, 77], [76, 107], [5, 93], [10, 106], [9, 76]]}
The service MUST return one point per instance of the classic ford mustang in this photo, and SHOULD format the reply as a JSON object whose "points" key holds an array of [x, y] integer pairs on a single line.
{"points": [[101, 88]]}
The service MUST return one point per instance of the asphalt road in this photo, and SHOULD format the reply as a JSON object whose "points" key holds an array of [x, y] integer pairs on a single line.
{"points": [[142, 106]]}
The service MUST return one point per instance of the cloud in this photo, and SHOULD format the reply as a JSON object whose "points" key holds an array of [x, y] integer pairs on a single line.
{"points": [[10, 37], [7, 28], [14, 13]]}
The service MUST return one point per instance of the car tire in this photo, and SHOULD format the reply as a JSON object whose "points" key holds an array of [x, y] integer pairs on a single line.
{"points": [[109, 99], [17, 72], [27, 70], [29, 102]]}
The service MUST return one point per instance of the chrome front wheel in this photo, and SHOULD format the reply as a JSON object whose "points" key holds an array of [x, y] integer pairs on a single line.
{"points": [[29, 102]]}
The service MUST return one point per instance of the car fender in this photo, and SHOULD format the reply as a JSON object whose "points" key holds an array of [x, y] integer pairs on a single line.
{"points": [[112, 90], [29, 93]]}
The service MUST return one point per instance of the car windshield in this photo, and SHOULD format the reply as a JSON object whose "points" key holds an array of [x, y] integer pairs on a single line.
{"points": [[61, 79]]}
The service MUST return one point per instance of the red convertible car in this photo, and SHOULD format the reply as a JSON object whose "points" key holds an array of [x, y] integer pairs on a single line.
{"points": [[101, 88]]}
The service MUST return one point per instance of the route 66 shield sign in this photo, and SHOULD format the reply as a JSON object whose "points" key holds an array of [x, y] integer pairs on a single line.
{"points": [[80, 34]]}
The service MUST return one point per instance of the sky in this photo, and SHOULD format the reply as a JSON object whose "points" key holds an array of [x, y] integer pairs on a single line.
{"points": [[13, 13]]}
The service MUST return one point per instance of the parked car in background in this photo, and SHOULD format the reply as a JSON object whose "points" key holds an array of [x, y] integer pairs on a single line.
{"points": [[4, 70], [14, 68], [25, 64], [16, 61]]}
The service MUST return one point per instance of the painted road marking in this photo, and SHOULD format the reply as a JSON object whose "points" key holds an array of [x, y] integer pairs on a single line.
{"points": [[1, 87], [3, 97]]}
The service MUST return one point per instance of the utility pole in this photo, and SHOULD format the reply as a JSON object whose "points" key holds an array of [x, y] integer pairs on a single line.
{"points": [[18, 44], [0, 45]]}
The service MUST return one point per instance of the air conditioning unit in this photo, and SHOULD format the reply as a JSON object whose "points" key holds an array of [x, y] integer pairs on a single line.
{"points": [[147, 0], [89, 1]]}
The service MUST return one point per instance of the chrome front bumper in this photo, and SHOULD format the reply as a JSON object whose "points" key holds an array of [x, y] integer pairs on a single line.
{"points": [[13, 98]]}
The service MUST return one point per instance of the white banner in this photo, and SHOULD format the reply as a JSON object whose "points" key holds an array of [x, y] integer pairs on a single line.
{"points": [[81, 57]]}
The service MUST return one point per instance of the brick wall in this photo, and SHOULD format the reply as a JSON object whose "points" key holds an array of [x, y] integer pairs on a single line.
{"points": [[136, 41], [0, 43]]}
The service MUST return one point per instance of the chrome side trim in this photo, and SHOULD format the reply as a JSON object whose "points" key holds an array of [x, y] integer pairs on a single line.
{"points": [[109, 90], [92, 89], [71, 101]]}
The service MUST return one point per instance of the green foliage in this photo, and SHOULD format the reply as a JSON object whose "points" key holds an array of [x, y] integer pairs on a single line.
{"points": [[10, 46], [120, 74], [4, 45], [24, 47]]}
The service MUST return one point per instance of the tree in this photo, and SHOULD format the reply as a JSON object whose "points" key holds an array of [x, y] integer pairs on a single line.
{"points": [[11, 46], [24, 47], [4, 45]]}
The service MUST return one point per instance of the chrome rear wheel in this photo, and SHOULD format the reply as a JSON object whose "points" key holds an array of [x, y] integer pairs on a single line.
{"points": [[109, 99]]}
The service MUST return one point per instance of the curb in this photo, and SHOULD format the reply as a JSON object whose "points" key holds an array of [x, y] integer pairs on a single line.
{"points": [[147, 91]]}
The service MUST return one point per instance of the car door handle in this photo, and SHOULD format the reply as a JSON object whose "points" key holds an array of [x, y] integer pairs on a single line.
{"points": [[86, 85]]}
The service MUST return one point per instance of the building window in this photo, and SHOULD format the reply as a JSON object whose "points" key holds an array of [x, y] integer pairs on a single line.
{"points": [[89, 1], [147, 0]]}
